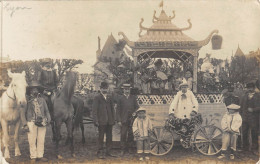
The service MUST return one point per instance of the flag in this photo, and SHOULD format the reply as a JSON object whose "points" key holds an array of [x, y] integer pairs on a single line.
{"points": [[161, 4]]}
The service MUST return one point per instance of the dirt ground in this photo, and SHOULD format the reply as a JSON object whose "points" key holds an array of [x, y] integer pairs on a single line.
{"points": [[87, 153]]}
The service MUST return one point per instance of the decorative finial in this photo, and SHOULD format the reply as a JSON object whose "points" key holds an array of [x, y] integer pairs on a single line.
{"points": [[99, 42], [161, 4], [173, 16], [187, 28], [142, 27]]}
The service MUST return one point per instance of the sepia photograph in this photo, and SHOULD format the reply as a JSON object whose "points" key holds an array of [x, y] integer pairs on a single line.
{"points": [[130, 81]]}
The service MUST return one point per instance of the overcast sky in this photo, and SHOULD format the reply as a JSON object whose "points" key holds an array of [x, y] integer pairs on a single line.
{"points": [[69, 29]]}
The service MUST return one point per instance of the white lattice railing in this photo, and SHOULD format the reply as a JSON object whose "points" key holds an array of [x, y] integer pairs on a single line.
{"points": [[167, 99]]}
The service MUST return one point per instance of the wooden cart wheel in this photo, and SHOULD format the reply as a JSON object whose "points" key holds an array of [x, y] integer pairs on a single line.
{"points": [[208, 140], [161, 141]]}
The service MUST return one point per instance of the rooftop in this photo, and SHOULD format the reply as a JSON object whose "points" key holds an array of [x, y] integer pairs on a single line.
{"points": [[163, 29]]}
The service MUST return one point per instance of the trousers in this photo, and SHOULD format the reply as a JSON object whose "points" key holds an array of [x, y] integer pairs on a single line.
{"points": [[36, 137], [246, 125], [127, 135], [229, 139], [143, 146], [102, 130]]}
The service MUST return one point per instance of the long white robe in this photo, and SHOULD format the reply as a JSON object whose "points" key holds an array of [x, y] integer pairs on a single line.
{"points": [[183, 107]]}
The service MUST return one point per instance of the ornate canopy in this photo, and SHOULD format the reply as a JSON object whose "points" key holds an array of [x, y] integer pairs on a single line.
{"points": [[165, 40]]}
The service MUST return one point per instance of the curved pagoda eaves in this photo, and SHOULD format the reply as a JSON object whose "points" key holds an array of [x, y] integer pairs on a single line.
{"points": [[163, 30], [164, 34]]}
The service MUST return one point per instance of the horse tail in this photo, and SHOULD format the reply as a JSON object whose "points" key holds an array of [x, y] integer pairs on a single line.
{"points": [[69, 86], [78, 117]]}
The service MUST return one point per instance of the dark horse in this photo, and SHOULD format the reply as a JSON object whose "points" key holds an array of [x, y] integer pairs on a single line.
{"points": [[64, 112], [79, 110]]}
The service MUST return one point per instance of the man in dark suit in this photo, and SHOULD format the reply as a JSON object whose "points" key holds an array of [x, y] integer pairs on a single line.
{"points": [[104, 119], [127, 105], [250, 106]]}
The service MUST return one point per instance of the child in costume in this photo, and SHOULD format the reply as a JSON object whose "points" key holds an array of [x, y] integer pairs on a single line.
{"points": [[142, 128]]}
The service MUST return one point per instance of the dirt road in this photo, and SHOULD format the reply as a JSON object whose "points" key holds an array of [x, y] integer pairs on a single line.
{"points": [[87, 153]]}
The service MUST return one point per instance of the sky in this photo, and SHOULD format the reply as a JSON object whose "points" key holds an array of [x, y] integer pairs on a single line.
{"points": [[69, 29]]}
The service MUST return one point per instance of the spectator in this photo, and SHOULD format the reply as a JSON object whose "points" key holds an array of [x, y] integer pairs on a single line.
{"points": [[127, 105], [189, 79], [142, 127], [231, 122], [250, 105], [37, 116], [104, 119]]}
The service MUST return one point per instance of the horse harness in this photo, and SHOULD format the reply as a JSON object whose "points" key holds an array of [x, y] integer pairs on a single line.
{"points": [[10, 96]]}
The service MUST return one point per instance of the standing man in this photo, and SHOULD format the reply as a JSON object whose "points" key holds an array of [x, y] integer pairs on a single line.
{"points": [[250, 105], [127, 105], [104, 119]]}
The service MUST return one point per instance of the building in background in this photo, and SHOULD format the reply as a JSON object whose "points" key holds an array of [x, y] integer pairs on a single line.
{"points": [[113, 53]]}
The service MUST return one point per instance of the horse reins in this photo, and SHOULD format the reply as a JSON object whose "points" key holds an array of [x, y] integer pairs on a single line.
{"points": [[10, 96]]}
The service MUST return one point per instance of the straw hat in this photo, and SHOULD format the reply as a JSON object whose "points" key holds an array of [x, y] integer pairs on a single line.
{"points": [[141, 109], [233, 106], [126, 86]]}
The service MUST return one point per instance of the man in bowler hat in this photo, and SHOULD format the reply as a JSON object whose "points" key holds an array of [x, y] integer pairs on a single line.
{"points": [[104, 119], [250, 105], [127, 105]]}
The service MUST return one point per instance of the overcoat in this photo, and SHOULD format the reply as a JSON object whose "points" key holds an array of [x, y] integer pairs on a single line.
{"points": [[103, 110], [126, 107], [253, 103]]}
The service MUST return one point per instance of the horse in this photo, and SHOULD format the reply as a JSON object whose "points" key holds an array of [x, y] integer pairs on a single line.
{"points": [[12, 103], [79, 112], [64, 112]]}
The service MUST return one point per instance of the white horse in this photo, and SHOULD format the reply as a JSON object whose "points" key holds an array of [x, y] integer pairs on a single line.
{"points": [[11, 104]]}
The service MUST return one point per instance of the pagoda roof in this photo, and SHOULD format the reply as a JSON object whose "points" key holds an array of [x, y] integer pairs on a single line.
{"points": [[164, 34], [163, 30]]}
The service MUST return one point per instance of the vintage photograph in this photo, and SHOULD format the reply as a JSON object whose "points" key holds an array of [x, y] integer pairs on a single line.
{"points": [[130, 81]]}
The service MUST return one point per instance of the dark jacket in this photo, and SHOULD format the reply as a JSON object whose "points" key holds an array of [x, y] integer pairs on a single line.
{"points": [[30, 112], [48, 79], [253, 103], [126, 107], [103, 110]]}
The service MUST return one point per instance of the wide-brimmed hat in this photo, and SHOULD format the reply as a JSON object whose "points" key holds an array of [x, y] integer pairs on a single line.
{"points": [[34, 84], [104, 85], [126, 86], [233, 106], [46, 61], [184, 83], [141, 109]]}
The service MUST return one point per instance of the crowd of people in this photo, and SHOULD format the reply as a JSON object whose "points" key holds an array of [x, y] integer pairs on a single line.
{"points": [[135, 126]]}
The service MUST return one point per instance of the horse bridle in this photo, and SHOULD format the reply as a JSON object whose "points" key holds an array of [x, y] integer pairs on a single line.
{"points": [[11, 97]]}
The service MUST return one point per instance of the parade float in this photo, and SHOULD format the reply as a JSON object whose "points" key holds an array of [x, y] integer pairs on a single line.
{"points": [[161, 43]]}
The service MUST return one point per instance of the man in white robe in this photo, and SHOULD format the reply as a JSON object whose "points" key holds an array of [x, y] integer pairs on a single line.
{"points": [[184, 103]]}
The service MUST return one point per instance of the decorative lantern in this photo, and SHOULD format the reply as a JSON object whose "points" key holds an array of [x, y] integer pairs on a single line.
{"points": [[216, 41]]}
